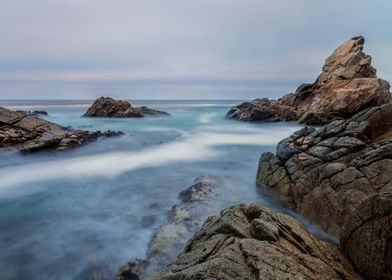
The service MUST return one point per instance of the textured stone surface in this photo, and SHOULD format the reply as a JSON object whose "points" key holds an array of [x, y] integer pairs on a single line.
{"points": [[347, 85], [367, 236], [108, 107], [325, 173], [251, 242], [29, 133]]}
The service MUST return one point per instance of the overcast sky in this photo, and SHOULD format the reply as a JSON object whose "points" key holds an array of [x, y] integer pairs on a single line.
{"points": [[182, 49]]}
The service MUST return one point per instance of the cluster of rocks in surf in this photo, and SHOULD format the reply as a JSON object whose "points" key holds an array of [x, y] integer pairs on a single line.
{"points": [[29, 133], [109, 107], [347, 85]]}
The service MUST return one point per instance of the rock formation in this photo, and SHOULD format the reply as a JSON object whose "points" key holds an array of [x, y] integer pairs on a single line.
{"points": [[347, 85], [108, 107], [29, 133], [251, 242]]}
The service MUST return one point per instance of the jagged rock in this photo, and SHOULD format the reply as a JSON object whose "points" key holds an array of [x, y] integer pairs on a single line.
{"points": [[347, 85], [324, 173], [108, 107], [29, 133], [251, 242], [197, 202], [35, 112], [366, 237]]}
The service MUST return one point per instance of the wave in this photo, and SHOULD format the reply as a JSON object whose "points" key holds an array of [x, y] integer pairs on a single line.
{"points": [[197, 145]]}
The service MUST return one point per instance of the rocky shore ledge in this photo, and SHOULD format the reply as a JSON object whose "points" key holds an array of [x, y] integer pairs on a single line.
{"points": [[347, 85], [108, 107], [29, 133]]}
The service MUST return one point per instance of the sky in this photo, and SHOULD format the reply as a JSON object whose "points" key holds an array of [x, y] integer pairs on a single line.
{"points": [[179, 49]]}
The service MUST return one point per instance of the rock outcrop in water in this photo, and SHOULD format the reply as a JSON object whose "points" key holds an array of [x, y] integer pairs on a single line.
{"points": [[251, 242], [348, 84], [29, 133], [340, 177], [197, 203], [108, 107]]}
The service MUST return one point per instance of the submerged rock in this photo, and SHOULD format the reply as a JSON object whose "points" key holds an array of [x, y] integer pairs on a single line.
{"points": [[348, 84], [108, 107], [251, 242], [29, 133], [197, 202]]}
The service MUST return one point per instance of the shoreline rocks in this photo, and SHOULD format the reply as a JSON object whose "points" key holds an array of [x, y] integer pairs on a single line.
{"points": [[108, 107], [29, 133], [251, 242], [347, 85]]}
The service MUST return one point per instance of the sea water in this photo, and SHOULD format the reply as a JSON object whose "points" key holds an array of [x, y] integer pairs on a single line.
{"points": [[82, 213]]}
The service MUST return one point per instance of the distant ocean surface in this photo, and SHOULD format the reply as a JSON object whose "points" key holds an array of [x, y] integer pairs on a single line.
{"points": [[73, 214]]}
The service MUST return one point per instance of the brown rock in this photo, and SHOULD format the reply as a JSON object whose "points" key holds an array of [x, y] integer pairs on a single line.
{"points": [[263, 245], [108, 107], [29, 133], [347, 85]]}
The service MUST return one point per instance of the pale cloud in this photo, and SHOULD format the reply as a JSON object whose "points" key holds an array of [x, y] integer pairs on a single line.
{"points": [[79, 48]]}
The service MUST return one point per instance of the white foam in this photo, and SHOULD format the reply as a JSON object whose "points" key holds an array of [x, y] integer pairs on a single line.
{"points": [[206, 118], [197, 145]]}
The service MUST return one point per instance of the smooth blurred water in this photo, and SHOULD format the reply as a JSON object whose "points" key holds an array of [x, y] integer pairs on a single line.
{"points": [[83, 212]]}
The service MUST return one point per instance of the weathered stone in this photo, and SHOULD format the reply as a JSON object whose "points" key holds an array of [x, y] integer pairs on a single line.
{"points": [[281, 248], [29, 133], [108, 107], [347, 85]]}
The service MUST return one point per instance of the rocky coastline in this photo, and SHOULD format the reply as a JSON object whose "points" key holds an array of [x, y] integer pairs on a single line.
{"points": [[339, 176], [347, 85], [111, 108], [29, 133]]}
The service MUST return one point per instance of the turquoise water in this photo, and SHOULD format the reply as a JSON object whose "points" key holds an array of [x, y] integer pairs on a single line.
{"points": [[80, 213]]}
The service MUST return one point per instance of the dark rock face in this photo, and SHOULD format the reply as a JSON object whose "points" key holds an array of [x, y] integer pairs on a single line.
{"points": [[251, 242], [366, 237], [347, 85], [108, 107], [30, 133], [324, 174]]}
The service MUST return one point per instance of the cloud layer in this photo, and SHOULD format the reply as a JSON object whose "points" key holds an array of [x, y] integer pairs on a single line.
{"points": [[179, 49]]}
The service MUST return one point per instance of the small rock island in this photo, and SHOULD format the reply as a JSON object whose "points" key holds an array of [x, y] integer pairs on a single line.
{"points": [[30, 133], [109, 107]]}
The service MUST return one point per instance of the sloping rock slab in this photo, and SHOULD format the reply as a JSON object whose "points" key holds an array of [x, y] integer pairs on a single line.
{"points": [[29, 133], [251, 242]]}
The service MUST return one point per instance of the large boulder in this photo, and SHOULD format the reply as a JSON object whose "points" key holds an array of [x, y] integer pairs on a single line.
{"points": [[348, 84], [108, 107], [29, 133], [325, 173], [251, 242]]}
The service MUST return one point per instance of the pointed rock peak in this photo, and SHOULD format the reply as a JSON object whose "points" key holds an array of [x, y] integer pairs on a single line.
{"points": [[347, 62]]}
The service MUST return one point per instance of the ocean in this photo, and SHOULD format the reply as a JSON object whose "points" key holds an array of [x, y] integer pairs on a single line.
{"points": [[82, 212]]}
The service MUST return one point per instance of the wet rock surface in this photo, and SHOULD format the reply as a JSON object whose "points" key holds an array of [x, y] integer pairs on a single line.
{"points": [[197, 202], [348, 84], [251, 242], [29, 133], [108, 107]]}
